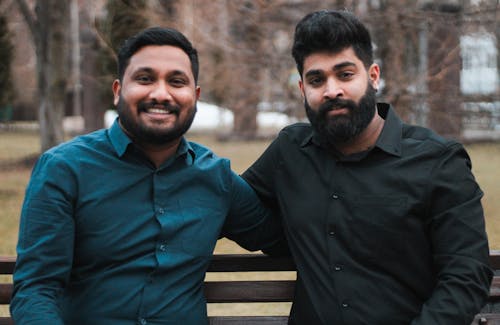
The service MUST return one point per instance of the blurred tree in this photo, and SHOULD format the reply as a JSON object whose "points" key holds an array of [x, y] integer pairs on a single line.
{"points": [[49, 26], [6, 56], [121, 20]]}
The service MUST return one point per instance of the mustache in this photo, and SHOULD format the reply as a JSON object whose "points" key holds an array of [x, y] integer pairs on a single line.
{"points": [[144, 106], [336, 103]]}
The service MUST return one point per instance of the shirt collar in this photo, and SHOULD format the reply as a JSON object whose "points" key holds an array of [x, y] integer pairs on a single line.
{"points": [[120, 142], [187, 150], [389, 139]]}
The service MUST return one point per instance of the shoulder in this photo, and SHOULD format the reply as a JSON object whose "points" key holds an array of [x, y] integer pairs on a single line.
{"points": [[296, 133], [204, 156], [78, 147], [428, 141]]}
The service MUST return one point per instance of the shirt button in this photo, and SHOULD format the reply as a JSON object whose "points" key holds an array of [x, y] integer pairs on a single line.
{"points": [[142, 321], [163, 247], [337, 268], [331, 233], [161, 211], [345, 305], [335, 196]]}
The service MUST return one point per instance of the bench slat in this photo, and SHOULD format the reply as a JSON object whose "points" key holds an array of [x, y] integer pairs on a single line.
{"points": [[495, 288], [486, 319], [495, 259], [248, 320], [6, 321], [249, 263], [7, 264], [249, 291], [5, 293], [240, 263]]}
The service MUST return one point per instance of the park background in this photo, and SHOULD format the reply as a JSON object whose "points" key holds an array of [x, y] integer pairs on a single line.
{"points": [[439, 61]]}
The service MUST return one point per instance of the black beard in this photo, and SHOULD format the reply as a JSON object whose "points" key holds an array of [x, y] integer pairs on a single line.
{"points": [[343, 128], [147, 135]]}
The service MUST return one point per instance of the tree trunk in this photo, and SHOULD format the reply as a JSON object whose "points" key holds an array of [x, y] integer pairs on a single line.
{"points": [[52, 66], [49, 25]]}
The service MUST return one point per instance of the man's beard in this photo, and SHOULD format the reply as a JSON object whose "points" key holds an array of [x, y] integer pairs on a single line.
{"points": [[143, 133], [345, 127]]}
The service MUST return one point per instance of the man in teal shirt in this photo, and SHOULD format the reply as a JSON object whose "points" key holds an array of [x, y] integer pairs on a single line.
{"points": [[118, 226]]}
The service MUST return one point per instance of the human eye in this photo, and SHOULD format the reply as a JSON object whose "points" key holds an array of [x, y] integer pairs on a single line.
{"points": [[178, 82], [315, 81], [143, 78], [345, 75]]}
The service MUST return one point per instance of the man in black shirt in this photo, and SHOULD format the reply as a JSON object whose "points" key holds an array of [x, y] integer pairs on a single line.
{"points": [[383, 219]]}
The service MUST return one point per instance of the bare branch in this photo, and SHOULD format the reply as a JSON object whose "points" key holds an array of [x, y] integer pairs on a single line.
{"points": [[29, 16]]}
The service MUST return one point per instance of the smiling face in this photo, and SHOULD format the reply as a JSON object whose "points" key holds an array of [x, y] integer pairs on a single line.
{"points": [[339, 94], [156, 99]]}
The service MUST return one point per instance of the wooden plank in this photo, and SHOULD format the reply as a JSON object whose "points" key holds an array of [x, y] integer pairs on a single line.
{"points": [[495, 259], [248, 320], [6, 321], [5, 293], [249, 263], [7, 264], [250, 291], [239, 263], [486, 319], [495, 289]]}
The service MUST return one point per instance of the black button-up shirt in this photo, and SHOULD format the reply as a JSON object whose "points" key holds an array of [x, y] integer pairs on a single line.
{"points": [[394, 235]]}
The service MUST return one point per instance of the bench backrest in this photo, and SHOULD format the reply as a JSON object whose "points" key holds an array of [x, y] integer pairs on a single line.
{"points": [[257, 290]]}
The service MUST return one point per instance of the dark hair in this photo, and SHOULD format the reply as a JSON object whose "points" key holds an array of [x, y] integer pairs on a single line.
{"points": [[156, 36], [331, 31]]}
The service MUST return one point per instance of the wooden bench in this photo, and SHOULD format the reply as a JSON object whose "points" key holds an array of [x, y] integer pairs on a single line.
{"points": [[263, 290]]}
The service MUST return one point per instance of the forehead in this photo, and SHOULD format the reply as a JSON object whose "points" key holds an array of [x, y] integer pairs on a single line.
{"points": [[328, 60], [161, 59]]}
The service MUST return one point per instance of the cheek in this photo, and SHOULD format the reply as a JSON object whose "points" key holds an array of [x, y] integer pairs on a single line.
{"points": [[134, 94], [185, 98], [313, 97]]}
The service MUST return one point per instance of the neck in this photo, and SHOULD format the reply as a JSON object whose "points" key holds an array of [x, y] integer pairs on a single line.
{"points": [[365, 140]]}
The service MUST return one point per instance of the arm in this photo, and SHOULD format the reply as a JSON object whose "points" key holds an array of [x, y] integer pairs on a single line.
{"points": [[250, 224], [45, 246], [457, 232], [260, 176]]}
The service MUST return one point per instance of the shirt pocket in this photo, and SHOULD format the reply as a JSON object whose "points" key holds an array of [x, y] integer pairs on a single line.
{"points": [[381, 226]]}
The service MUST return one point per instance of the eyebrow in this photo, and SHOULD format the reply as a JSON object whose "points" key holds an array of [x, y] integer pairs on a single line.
{"points": [[151, 70], [177, 73], [336, 67], [142, 69]]}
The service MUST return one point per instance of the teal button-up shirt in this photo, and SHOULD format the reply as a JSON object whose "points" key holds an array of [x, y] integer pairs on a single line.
{"points": [[107, 238]]}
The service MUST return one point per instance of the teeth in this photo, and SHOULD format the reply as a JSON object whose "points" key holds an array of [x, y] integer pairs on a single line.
{"points": [[158, 111]]}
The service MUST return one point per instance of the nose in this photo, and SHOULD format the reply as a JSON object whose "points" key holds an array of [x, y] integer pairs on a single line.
{"points": [[333, 89], [160, 92]]}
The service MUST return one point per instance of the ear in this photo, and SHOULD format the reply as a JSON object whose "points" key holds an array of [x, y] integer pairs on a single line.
{"points": [[374, 75], [116, 91], [301, 88], [197, 92]]}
